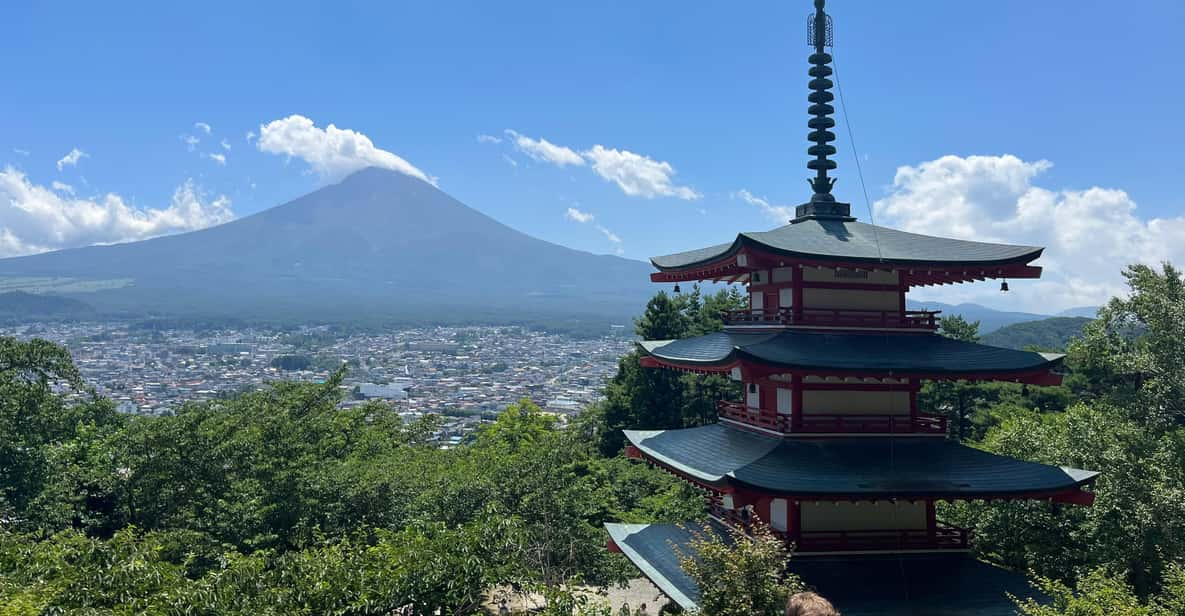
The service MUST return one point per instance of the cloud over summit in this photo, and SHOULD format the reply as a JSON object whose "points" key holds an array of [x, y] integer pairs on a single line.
{"points": [[331, 152]]}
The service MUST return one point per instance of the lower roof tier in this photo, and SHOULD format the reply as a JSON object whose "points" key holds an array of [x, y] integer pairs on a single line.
{"points": [[917, 585], [724, 458], [923, 355]]}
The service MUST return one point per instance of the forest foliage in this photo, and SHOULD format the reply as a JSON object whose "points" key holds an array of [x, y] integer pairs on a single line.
{"points": [[278, 502]]}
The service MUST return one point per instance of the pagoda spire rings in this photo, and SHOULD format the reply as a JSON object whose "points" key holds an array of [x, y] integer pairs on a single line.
{"points": [[822, 203], [820, 33]]}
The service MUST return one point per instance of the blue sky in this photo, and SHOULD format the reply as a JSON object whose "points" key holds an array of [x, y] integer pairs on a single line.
{"points": [[1086, 96]]}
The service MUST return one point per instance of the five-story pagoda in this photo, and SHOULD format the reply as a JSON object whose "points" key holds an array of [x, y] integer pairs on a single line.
{"points": [[827, 445]]}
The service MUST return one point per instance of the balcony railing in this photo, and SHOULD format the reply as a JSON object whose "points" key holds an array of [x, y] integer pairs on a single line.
{"points": [[837, 317], [832, 423], [944, 537], [737, 411], [882, 424]]}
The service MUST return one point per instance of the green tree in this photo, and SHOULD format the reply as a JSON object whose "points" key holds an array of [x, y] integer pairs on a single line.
{"points": [[38, 426], [1100, 593], [956, 399], [1137, 524], [739, 574], [649, 398], [1133, 354], [664, 319]]}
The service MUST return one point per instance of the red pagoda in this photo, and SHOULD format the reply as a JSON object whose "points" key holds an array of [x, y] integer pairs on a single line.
{"points": [[827, 445]]}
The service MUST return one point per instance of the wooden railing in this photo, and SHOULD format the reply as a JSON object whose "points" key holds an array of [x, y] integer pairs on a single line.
{"points": [[862, 424], [944, 537], [737, 411], [837, 317], [832, 423]]}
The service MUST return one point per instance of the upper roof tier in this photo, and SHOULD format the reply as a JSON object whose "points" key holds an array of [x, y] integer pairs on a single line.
{"points": [[922, 355], [832, 241], [850, 240], [853, 467]]}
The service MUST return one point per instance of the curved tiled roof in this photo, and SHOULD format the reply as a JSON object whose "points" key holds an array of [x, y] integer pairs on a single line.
{"points": [[921, 353], [839, 240], [869, 467], [889, 585]]}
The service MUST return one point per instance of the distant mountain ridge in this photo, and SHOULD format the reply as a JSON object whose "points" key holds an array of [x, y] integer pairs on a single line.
{"points": [[989, 319], [1052, 334], [378, 245]]}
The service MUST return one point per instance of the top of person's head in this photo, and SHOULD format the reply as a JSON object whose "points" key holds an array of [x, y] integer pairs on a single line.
{"points": [[809, 604]]}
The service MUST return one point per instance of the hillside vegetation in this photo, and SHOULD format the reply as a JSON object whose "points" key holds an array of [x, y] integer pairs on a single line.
{"points": [[277, 502], [1052, 334]]}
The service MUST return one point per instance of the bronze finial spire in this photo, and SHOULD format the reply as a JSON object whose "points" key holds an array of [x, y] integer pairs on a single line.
{"points": [[822, 203]]}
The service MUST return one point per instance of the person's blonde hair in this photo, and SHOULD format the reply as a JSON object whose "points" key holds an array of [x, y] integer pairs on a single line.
{"points": [[809, 604]]}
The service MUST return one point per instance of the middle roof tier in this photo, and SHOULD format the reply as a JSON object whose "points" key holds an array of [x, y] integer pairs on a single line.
{"points": [[920, 355]]}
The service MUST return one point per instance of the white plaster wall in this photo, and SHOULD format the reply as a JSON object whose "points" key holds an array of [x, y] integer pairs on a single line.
{"points": [[785, 397], [786, 297], [778, 513]]}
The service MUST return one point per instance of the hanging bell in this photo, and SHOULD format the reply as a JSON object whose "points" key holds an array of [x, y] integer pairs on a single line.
{"points": [[1004, 287]]}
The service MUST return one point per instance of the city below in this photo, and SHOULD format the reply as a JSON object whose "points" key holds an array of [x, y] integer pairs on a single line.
{"points": [[464, 374]]}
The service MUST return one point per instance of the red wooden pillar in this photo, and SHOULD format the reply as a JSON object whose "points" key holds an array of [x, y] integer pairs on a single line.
{"points": [[761, 509], [914, 385], [796, 400], [902, 289], [796, 286], [793, 520]]}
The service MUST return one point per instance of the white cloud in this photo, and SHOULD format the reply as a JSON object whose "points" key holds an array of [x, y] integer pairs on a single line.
{"points": [[637, 175], [488, 139], [202, 126], [249, 136], [331, 152], [62, 187], [545, 151], [510, 161], [225, 144], [613, 239], [1089, 235], [190, 142], [218, 158], [584, 218], [780, 214], [578, 216], [34, 218], [71, 159], [20, 151]]}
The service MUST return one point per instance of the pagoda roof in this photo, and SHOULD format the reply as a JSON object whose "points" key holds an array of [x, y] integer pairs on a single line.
{"points": [[839, 240], [649, 547], [913, 354], [850, 467], [890, 585]]}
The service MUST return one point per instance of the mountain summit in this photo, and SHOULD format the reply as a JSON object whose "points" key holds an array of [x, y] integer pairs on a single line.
{"points": [[380, 244]]}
